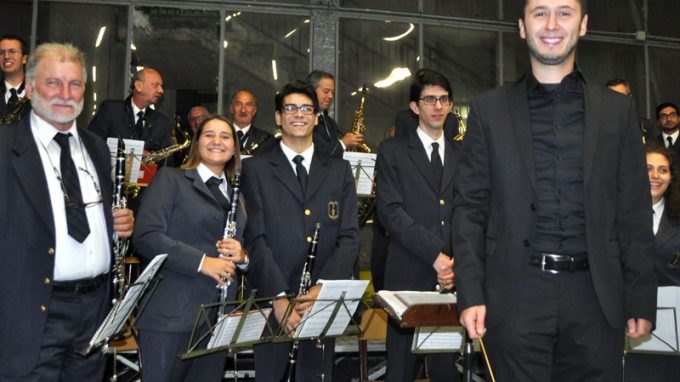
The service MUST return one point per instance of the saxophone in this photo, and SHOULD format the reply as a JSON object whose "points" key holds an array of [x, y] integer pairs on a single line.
{"points": [[305, 284], [229, 232], [157, 156], [255, 145], [120, 244], [358, 126], [462, 127], [16, 111]]}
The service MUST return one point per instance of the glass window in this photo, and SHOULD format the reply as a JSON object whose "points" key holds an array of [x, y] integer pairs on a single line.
{"points": [[15, 18], [468, 58], [473, 9], [664, 77], [392, 5], [601, 62], [263, 52], [366, 57], [515, 57], [615, 16], [663, 18], [100, 32], [183, 46]]}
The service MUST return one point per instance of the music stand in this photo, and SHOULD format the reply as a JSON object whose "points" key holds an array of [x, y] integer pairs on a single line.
{"points": [[115, 319]]}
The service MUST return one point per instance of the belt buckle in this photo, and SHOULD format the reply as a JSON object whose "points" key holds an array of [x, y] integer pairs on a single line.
{"points": [[552, 256]]}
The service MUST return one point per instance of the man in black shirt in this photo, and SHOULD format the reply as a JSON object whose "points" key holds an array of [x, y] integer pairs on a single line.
{"points": [[553, 263]]}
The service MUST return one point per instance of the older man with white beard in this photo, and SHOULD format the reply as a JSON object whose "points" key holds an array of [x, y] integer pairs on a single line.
{"points": [[56, 221]]}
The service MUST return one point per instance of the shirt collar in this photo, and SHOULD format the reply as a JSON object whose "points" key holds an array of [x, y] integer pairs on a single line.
{"points": [[135, 109], [427, 140], [290, 154], [571, 82], [674, 136], [46, 132], [244, 130], [658, 207], [205, 173]]}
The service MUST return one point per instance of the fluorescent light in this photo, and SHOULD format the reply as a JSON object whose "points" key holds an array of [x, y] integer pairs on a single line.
{"points": [[290, 33], [94, 97], [228, 18], [94, 73], [396, 75], [133, 47], [399, 37], [140, 68], [353, 94], [306, 21], [226, 44], [418, 59], [274, 71], [102, 30], [237, 13]]}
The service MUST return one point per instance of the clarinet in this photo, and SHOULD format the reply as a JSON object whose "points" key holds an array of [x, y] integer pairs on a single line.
{"points": [[120, 244], [305, 284], [229, 232]]}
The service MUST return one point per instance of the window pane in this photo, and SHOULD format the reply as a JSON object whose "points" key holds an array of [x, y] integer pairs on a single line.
{"points": [[474, 9], [264, 52], [82, 25], [515, 57], [391, 5], [615, 16], [15, 18], [664, 77], [366, 58], [182, 44], [466, 57], [663, 18]]}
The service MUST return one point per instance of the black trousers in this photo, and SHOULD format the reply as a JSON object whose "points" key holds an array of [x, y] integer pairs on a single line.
{"points": [[555, 332], [72, 320], [402, 364], [159, 351], [271, 361]]}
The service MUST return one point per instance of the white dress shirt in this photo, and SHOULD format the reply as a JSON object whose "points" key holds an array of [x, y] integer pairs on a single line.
{"points": [[290, 154], [8, 93], [658, 213], [673, 136], [427, 143], [73, 260]]}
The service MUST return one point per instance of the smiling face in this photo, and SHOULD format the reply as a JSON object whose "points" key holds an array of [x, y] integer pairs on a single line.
{"points": [[659, 171], [243, 108], [325, 92], [57, 94], [216, 145], [296, 125], [552, 29], [13, 58]]}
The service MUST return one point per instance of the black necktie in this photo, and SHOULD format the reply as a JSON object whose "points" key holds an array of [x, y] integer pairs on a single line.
{"points": [[436, 163], [76, 220], [241, 142], [139, 125], [670, 142], [214, 186], [13, 98], [301, 172]]}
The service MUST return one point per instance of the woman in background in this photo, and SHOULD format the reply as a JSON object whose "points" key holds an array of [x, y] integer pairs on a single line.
{"points": [[183, 214]]}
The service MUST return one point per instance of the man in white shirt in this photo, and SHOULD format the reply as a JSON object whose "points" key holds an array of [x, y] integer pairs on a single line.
{"points": [[13, 55], [56, 228]]}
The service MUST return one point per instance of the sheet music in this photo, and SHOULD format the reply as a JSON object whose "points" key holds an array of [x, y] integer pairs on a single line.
{"points": [[363, 170], [414, 298], [437, 338], [134, 147], [397, 305], [250, 331], [315, 320], [665, 338], [119, 313]]}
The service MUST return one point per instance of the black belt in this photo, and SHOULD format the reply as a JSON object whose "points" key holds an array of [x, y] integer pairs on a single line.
{"points": [[81, 286], [553, 263]]}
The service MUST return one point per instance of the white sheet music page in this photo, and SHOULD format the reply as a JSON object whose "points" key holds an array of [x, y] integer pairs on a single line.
{"points": [[226, 328], [363, 170], [666, 338], [315, 320], [393, 302], [437, 338], [133, 149]]}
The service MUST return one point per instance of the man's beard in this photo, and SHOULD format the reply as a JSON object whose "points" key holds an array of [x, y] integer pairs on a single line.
{"points": [[669, 130], [546, 59], [43, 107]]}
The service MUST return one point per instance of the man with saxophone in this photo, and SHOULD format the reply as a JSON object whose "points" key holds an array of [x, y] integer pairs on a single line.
{"points": [[288, 190], [251, 139], [13, 56], [414, 203], [327, 135], [134, 118], [57, 226]]}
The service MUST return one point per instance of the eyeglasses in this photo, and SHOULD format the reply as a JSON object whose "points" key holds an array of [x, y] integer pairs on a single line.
{"points": [[668, 116], [432, 100], [292, 109], [11, 52], [72, 202]]}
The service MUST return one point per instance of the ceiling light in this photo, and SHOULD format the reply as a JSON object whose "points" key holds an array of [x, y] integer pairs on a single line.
{"points": [[396, 75], [102, 30], [275, 73], [399, 37]]}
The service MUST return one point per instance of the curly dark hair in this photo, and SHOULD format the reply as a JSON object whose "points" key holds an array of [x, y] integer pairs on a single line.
{"points": [[672, 194]]}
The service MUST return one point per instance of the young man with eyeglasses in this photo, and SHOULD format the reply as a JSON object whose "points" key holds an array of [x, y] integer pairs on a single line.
{"points": [[414, 198], [13, 55], [288, 190], [57, 225]]}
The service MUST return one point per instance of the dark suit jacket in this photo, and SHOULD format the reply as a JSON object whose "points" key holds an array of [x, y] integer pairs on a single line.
{"points": [[3, 104], [406, 122], [667, 266], [327, 136], [115, 119], [259, 137], [495, 204], [179, 216], [280, 220], [676, 147], [27, 242], [414, 211]]}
